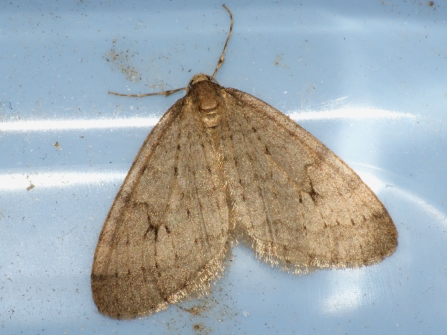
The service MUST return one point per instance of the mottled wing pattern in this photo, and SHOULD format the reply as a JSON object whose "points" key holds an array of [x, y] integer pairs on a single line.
{"points": [[166, 234], [294, 201]]}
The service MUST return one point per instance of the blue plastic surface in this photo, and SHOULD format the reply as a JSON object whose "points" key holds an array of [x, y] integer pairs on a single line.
{"points": [[367, 78]]}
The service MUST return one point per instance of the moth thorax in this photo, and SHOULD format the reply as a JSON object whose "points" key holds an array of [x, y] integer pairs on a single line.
{"points": [[209, 102]]}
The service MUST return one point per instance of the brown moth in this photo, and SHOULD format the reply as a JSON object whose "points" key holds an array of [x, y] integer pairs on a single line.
{"points": [[220, 166]]}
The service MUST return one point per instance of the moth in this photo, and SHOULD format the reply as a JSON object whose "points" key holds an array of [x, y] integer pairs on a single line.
{"points": [[223, 166]]}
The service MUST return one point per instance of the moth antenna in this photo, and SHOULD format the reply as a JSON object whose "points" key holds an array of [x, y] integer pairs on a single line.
{"points": [[222, 56], [169, 92], [142, 95]]}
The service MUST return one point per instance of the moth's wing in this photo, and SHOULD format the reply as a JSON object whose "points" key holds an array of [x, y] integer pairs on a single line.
{"points": [[166, 233], [294, 201]]}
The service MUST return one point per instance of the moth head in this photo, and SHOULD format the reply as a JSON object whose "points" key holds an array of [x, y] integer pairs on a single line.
{"points": [[198, 78]]}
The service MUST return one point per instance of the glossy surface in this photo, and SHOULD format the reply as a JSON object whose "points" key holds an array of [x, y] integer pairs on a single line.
{"points": [[368, 80]]}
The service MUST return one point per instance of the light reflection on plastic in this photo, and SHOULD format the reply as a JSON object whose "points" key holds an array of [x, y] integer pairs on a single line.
{"points": [[352, 113], [40, 125], [420, 203], [374, 183], [22, 181], [344, 300]]}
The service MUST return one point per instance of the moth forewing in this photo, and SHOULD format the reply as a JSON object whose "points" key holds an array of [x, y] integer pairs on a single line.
{"points": [[223, 165], [300, 205]]}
